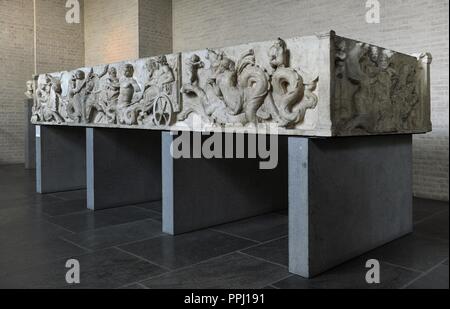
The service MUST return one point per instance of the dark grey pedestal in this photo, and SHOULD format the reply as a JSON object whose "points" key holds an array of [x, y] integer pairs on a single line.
{"points": [[30, 136], [346, 197], [200, 193], [60, 159], [123, 167]]}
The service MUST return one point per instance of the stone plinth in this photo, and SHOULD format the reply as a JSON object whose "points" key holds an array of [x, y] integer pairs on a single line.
{"points": [[121, 169], [60, 159], [30, 136], [347, 196], [200, 193]]}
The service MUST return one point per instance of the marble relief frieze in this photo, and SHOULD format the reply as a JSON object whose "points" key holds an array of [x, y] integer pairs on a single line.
{"points": [[321, 85]]}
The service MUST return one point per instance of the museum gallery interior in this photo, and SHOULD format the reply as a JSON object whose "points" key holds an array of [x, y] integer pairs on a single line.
{"points": [[207, 144]]}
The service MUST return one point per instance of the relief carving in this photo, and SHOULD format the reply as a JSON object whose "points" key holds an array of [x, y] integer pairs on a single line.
{"points": [[244, 93], [49, 102], [158, 105], [381, 86], [105, 98], [252, 87], [109, 98]]}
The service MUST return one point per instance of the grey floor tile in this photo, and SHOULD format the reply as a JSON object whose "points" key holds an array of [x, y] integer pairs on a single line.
{"points": [[16, 188], [184, 250], [28, 230], [352, 275], [71, 195], [426, 208], [16, 257], [100, 219], [107, 269], [420, 215], [31, 200], [13, 217], [276, 251], [235, 271], [446, 263], [415, 252], [136, 286], [62, 208], [436, 279], [153, 206], [262, 228], [117, 235], [436, 226]]}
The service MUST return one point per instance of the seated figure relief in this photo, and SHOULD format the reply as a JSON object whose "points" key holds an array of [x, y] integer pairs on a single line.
{"points": [[157, 107]]}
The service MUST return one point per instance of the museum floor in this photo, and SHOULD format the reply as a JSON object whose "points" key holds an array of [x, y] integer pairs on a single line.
{"points": [[124, 247]]}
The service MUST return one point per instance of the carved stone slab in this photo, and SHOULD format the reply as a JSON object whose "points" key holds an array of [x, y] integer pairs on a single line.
{"points": [[379, 91], [321, 85]]}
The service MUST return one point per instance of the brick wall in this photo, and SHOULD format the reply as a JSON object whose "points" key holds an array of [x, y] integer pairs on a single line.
{"points": [[111, 31], [16, 67], [155, 27], [59, 47], [407, 26], [118, 30]]}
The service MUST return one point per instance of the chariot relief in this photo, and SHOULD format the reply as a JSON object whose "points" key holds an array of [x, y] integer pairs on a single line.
{"points": [[112, 96], [320, 85]]}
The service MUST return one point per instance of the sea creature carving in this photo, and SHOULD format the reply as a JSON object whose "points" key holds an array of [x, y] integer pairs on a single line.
{"points": [[320, 85], [244, 93]]}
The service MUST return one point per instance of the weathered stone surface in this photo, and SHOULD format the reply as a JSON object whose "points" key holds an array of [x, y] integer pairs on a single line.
{"points": [[321, 85], [379, 90]]}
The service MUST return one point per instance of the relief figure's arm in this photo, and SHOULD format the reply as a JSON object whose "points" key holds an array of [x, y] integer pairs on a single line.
{"points": [[135, 85], [104, 72]]}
